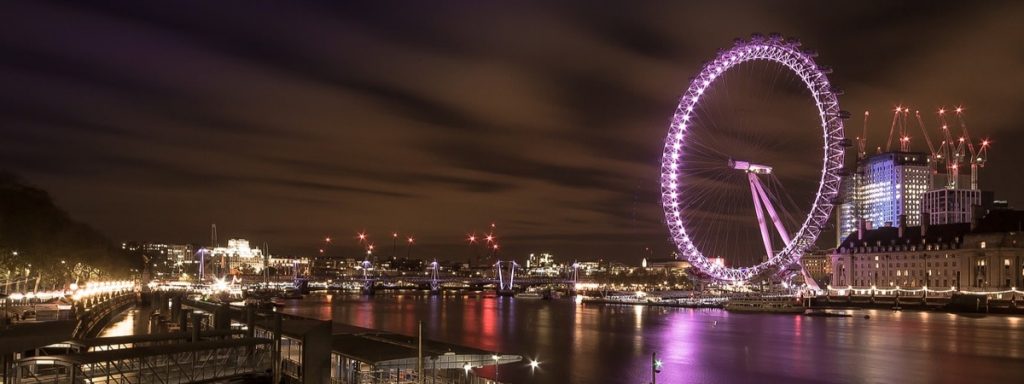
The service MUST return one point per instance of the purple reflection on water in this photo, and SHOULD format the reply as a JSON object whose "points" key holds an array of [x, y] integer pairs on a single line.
{"points": [[613, 344]]}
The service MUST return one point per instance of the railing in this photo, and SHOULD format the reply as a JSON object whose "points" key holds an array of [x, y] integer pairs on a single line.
{"points": [[181, 363], [92, 320]]}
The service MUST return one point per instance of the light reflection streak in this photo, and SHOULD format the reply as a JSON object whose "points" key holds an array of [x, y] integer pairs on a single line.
{"points": [[123, 327], [638, 317]]}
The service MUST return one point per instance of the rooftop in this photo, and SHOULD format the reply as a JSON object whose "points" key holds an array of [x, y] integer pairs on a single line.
{"points": [[382, 349], [995, 221]]}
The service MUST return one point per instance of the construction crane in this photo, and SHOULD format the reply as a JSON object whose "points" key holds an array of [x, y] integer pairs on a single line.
{"points": [[979, 156], [899, 127], [936, 157], [952, 152], [862, 141]]}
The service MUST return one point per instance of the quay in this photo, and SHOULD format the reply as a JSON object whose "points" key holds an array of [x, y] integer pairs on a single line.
{"points": [[1001, 302]]}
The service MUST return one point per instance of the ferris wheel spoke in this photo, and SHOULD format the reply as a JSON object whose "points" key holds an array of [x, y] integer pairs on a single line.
{"points": [[702, 200]]}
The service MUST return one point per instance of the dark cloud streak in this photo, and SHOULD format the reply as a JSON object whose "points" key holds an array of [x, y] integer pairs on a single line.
{"points": [[287, 121]]}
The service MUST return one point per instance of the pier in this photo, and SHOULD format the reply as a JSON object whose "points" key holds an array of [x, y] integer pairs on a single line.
{"points": [[175, 339]]}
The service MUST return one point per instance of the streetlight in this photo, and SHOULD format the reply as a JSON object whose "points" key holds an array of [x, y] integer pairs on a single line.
{"points": [[394, 245], [655, 367], [496, 358]]}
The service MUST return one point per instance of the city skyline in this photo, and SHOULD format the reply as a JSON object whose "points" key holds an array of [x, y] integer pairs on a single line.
{"points": [[296, 122]]}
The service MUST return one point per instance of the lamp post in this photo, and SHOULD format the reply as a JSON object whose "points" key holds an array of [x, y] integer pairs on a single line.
{"points": [[655, 367], [394, 245], [496, 358]]}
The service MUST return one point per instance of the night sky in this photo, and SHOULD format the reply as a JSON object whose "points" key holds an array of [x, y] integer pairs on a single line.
{"points": [[284, 122]]}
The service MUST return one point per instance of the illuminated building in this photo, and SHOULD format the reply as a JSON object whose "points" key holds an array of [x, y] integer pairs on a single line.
{"points": [[591, 267], [163, 260], [668, 266], [542, 265], [886, 187], [818, 265], [984, 256], [238, 257]]}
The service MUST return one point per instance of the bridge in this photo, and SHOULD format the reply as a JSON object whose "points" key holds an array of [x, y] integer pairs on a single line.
{"points": [[504, 279]]}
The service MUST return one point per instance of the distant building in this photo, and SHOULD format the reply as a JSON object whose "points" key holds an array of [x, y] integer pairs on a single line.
{"points": [[818, 265], [542, 264], [617, 268], [885, 187], [591, 267], [951, 206], [668, 266], [164, 260], [237, 258], [285, 266], [988, 255]]}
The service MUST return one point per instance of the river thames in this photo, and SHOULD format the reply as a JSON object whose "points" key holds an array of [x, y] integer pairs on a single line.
{"points": [[592, 343]]}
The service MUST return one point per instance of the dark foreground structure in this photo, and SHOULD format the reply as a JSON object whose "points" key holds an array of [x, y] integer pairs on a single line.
{"points": [[179, 340]]}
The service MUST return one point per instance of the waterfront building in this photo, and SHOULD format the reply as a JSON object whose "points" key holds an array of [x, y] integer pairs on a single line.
{"points": [[238, 257], [885, 187], [818, 265], [288, 266], [983, 256]]}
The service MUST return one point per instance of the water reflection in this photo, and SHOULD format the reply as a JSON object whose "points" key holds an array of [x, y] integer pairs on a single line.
{"points": [[122, 325], [612, 344]]}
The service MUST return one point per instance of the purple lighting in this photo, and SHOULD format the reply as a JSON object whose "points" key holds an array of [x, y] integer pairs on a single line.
{"points": [[787, 53]]}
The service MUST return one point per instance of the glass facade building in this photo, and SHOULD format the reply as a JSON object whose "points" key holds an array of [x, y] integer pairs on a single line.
{"points": [[885, 187]]}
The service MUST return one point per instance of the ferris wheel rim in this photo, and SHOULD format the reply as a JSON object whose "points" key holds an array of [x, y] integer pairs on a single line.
{"points": [[786, 53]]}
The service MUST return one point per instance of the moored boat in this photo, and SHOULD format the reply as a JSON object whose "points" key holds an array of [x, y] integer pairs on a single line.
{"points": [[529, 295], [765, 305]]}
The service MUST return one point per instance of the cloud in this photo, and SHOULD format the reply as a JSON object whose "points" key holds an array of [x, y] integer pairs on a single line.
{"points": [[283, 122]]}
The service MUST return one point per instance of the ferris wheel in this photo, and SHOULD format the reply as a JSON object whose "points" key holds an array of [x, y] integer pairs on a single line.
{"points": [[719, 190]]}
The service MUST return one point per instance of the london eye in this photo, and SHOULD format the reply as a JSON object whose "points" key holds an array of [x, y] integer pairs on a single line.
{"points": [[751, 164]]}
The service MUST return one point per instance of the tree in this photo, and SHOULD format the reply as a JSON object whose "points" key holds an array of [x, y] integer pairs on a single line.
{"points": [[41, 239]]}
